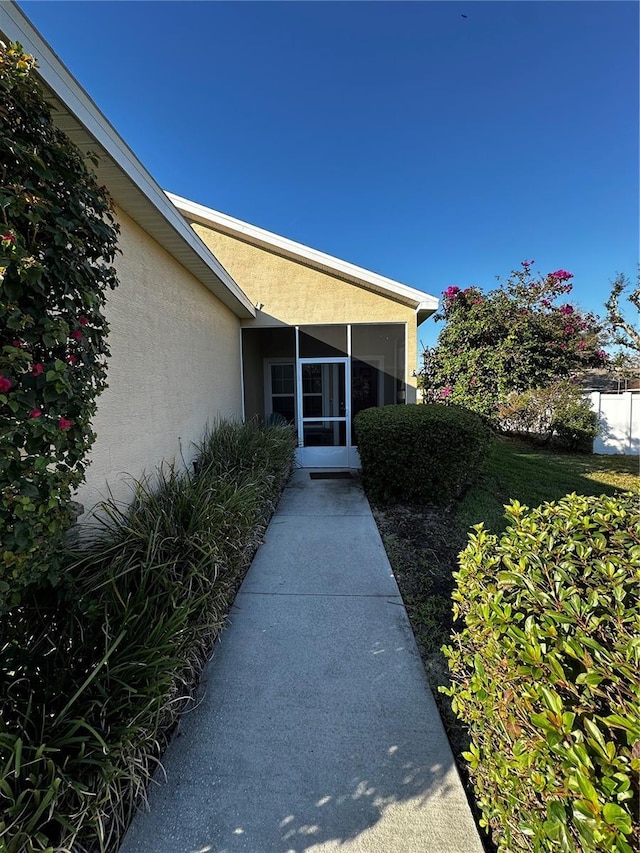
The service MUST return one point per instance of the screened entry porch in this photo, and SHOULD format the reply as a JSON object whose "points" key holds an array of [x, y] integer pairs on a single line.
{"points": [[317, 378]]}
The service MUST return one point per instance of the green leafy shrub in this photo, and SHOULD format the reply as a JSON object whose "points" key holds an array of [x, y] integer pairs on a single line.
{"points": [[558, 414], [57, 243], [420, 453], [93, 676], [547, 674]]}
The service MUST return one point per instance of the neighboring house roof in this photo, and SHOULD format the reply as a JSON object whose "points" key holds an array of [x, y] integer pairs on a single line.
{"points": [[423, 303], [128, 182], [602, 380]]}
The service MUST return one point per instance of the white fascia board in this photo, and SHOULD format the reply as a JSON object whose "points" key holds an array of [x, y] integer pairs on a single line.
{"points": [[15, 26], [422, 302]]}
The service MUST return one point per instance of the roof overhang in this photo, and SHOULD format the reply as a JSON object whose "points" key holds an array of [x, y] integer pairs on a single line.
{"points": [[423, 304], [130, 185]]}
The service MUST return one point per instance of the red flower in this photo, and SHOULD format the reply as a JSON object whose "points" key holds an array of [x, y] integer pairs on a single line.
{"points": [[35, 413], [64, 424], [72, 358], [451, 291], [9, 238], [566, 309], [16, 343], [5, 384], [77, 335], [37, 369], [83, 321]]}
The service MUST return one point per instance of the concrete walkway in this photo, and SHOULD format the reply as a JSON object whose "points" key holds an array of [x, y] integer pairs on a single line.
{"points": [[318, 731]]}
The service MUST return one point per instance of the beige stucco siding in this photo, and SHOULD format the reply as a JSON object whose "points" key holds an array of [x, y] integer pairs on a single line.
{"points": [[174, 366], [296, 294]]}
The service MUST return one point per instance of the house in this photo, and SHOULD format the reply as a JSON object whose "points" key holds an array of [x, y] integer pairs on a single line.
{"points": [[218, 318], [328, 340]]}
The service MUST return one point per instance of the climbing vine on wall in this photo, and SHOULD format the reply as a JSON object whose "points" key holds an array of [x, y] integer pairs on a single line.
{"points": [[58, 241]]}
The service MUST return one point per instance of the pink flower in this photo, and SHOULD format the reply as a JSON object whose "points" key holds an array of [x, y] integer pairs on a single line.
{"points": [[9, 238], [601, 354], [451, 291], [77, 335], [446, 392], [64, 424], [37, 369], [5, 384], [83, 321], [582, 345], [35, 413], [72, 358], [527, 264], [561, 275], [566, 309], [569, 330]]}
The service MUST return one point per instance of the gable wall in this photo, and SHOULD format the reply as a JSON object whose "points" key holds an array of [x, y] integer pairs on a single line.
{"points": [[174, 366], [296, 294]]}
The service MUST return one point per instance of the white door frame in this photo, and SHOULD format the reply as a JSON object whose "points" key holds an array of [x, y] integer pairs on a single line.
{"points": [[325, 457]]}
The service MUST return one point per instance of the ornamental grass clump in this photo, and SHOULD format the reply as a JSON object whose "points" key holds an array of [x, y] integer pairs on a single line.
{"points": [[546, 674], [95, 673], [426, 454]]}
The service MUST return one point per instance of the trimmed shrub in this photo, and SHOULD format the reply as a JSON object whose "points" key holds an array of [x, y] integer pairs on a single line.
{"points": [[547, 674], [558, 414], [420, 453], [94, 675]]}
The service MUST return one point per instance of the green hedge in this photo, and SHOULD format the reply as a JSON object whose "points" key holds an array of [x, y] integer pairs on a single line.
{"points": [[547, 674], [95, 673], [420, 453]]}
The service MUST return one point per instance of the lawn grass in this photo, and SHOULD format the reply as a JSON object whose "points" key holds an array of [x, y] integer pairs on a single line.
{"points": [[518, 471]]}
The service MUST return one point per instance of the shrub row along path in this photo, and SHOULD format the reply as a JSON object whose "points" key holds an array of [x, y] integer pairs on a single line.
{"points": [[318, 730]]}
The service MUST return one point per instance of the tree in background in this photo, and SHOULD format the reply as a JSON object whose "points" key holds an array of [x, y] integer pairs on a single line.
{"points": [[623, 332], [522, 335]]}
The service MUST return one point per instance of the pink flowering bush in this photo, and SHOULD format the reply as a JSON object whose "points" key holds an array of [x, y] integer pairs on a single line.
{"points": [[522, 335], [57, 245]]}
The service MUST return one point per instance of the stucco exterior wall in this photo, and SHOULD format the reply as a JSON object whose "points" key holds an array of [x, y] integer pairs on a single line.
{"points": [[295, 294], [174, 367]]}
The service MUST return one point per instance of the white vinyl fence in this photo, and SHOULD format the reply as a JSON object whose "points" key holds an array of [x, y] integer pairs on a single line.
{"points": [[619, 419]]}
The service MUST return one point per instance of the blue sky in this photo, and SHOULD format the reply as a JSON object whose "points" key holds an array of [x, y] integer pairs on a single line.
{"points": [[403, 137]]}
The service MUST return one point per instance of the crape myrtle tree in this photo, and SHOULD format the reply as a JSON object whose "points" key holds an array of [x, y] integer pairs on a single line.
{"points": [[57, 244], [524, 334]]}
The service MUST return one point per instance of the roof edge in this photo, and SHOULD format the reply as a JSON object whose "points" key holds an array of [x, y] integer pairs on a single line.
{"points": [[15, 25], [423, 303]]}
